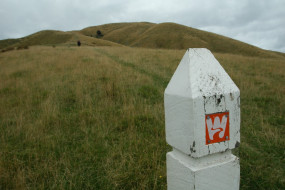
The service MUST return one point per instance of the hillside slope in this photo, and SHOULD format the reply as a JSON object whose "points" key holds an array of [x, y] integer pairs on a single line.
{"points": [[8, 42], [52, 37], [89, 41], [142, 34], [123, 33], [173, 36]]}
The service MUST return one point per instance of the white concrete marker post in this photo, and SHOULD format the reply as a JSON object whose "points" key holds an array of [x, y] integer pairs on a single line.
{"points": [[202, 117]]}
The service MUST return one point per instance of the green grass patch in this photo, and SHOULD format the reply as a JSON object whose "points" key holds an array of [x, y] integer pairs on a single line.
{"points": [[93, 118]]}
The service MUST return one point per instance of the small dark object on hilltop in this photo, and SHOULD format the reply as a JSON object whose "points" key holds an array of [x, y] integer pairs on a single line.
{"points": [[78, 43], [99, 34]]}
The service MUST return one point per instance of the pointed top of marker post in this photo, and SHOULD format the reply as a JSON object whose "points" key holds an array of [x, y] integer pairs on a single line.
{"points": [[200, 89], [201, 74]]}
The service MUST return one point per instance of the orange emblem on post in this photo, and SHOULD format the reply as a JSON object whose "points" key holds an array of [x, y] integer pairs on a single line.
{"points": [[217, 127]]}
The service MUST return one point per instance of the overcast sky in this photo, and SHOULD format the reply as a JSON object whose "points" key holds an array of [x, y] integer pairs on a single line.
{"points": [[258, 22]]}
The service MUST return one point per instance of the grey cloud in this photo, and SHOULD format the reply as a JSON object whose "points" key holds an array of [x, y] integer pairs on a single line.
{"points": [[260, 22]]}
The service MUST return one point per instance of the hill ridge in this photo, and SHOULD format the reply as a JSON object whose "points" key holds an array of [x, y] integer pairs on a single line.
{"points": [[166, 35]]}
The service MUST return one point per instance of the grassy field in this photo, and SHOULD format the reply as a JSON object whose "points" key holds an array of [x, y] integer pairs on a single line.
{"points": [[140, 34], [93, 117]]}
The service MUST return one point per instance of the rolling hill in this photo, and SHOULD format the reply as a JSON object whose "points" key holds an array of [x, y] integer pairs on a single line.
{"points": [[173, 36], [142, 34], [52, 37]]}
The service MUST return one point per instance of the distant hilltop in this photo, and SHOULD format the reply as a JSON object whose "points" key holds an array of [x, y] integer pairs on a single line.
{"points": [[141, 34]]}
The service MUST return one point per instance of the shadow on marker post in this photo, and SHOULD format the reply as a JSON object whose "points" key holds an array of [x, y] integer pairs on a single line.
{"points": [[202, 122]]}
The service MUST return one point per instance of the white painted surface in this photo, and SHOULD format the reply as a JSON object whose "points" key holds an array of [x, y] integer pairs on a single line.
{"points": [[202, 115], [220, 171], [198, 87]]}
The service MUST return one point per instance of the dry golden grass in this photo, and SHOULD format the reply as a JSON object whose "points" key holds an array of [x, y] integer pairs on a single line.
{"points": [[54, 38], [93, 117], [173, 36], [141, 34], [90, 41]]}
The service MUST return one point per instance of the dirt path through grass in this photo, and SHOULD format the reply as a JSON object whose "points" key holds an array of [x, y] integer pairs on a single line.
{"points": [[160, 81]]}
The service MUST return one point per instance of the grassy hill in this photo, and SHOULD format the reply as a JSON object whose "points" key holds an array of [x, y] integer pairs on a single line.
{"points": [[173, 36], [90, 41], [123, 33], [54, 38], [46, 37], [142, 34], [8, 42]]}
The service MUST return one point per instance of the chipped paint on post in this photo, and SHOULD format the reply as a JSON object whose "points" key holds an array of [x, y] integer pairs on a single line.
{"points": [[199, 87], [202, 120]]}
